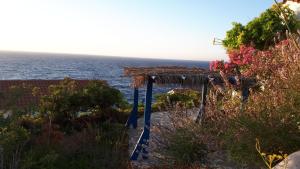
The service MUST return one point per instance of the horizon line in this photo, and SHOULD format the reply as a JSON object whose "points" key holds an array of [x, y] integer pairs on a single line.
{"points": [[97, 55]]}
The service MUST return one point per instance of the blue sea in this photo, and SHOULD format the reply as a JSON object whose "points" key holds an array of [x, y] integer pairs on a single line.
{"points": [[23, 65]]}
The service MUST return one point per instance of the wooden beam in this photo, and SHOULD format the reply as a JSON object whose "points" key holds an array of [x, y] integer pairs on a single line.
{"points": [[143, 142], [132, 120], [203, 101]]}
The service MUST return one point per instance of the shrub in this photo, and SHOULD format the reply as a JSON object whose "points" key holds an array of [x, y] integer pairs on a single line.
{"points": [[261, 31], [64, 102], [185, 97], [277, 133], [64, 138], [273, 114], [185, 148], [100, 94], [102, 146], [13, 139], [179, 142]]}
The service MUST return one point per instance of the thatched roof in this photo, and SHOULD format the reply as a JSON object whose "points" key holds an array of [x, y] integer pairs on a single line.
{"points": [[174, 75]]}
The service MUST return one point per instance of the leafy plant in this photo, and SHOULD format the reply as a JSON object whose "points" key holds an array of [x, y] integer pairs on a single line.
{"points": [[271, 115], [96, 147], [13, 139], [185, 148], [74, 128], [66, 100], [270, 159], [261, 31], [186, 98]]}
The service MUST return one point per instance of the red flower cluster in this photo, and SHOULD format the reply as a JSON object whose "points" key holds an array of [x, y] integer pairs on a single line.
{"points": [[217, 65], [283, 43], [238, 58], [265, 62], [247, 59], [243, 56]]}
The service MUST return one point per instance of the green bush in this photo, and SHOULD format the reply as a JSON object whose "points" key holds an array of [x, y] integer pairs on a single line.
{"points": [[185, 148], [186, 98], [261, 31], [103, 146], [271, 115], [13, 139], [66, 100], [279, 132], [80, 128]]}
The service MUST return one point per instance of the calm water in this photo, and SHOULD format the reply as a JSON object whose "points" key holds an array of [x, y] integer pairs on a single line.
{"points": [[57, 66]]}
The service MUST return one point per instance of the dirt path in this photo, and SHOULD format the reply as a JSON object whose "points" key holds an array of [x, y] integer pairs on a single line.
{"points": [[217, 160], [158, 119]]}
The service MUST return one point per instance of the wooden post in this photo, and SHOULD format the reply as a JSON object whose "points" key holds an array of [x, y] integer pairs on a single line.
{"points": [[203, 101], [132, 120], [245, 95], [143, 142]]}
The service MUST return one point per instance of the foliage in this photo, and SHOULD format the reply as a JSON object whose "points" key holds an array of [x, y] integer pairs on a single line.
{"points": [[239, 61], [66, 100], [13, 139], [44, 141], [185, 98], [63, 101], [261, 31], [271, 115], [275, 135], [180, 141], [103, 146], [99, 94], [270, 159], [185, 148], [235, 37]]}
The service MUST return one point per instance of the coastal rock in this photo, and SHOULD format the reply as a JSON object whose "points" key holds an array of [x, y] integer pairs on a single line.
{"points": [[291, 162]]}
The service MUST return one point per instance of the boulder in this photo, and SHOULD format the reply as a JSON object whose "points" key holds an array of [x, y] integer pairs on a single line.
{"points": [[291, 162]]}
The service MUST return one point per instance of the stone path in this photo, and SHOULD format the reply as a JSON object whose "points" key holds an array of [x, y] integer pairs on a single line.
{"points": [[158, 118], [216, 160]]}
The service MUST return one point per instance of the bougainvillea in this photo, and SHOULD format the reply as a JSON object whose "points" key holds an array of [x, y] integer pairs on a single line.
{"points": [[227, 67], [264, 62], [238, 60], [243, 56], [249, 61]]}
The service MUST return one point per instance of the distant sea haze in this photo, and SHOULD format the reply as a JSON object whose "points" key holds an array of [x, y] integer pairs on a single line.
{"points": [[23, 65]]}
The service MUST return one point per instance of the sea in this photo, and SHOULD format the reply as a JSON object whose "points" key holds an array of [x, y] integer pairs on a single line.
{"points": [[27, 65]]}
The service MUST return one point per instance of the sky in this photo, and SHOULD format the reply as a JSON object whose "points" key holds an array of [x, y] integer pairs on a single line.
{"points": [[166, 29]]}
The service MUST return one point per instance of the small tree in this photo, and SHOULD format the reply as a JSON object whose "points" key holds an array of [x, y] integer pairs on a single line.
{"points": [[261, 31], [65, 100]]}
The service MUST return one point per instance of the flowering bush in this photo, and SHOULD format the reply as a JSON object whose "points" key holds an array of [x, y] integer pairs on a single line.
{"points": [[243, 56], [264, 63], [239, 60], [271, 115], [226, 67]]}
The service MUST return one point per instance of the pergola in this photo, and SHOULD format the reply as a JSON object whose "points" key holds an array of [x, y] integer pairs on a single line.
{"points": [[195, 78]]}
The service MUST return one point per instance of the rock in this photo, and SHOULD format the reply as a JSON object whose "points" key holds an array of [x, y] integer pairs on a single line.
{"points": [[291, 162]]}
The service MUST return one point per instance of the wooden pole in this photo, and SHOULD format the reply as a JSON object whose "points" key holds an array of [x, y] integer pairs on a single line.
{"points": [[132, 120], [245, 95], [203, 101], [143, 142]]}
